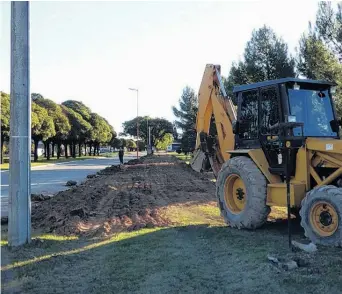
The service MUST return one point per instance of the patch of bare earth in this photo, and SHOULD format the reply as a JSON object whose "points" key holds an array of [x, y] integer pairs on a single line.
{"points": [[127, 198]]}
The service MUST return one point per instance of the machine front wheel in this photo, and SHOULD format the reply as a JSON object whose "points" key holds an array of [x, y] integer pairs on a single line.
{"points": [[241, 191]]}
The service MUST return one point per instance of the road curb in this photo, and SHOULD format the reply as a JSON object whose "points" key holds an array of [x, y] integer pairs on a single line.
{"points": [[73, 161]]}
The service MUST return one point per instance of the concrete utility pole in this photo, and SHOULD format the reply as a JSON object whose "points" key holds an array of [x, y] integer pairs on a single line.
{"points": [[19, 217], [137, 90]]}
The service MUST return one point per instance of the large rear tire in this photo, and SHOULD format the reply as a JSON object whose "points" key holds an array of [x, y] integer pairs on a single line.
{"points": [[321, 215], [241, 190]]}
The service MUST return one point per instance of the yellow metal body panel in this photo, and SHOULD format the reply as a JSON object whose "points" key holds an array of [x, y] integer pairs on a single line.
{"points": [[302, 176], [276, 194], [329, 146]]}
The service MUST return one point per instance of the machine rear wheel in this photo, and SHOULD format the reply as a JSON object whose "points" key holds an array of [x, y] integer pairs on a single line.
{"points": [[321, 215], [241, 192]]}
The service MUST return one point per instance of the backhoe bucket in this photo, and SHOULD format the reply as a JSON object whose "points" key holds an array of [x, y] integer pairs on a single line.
{"points": [[197, 161]]}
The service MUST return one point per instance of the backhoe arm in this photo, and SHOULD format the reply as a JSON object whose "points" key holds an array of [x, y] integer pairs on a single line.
{"points": [[213, 100]]}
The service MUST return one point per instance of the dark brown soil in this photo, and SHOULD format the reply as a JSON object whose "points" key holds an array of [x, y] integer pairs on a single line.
{"points": [[123, 198]]}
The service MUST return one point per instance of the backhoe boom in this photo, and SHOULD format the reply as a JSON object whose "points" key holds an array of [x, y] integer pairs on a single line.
{"points": [[213, 101]]}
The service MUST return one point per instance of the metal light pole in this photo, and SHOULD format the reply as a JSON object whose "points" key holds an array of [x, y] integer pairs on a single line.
{"points": [[149, 140], [19, 203], [137, 90], [147, 130], [147, 136]]}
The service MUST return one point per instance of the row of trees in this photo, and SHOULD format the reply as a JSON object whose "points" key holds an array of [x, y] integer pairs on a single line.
{"points": [[266, 57], [70, 125]]}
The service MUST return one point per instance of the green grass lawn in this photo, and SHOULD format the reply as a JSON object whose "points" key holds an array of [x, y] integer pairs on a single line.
{"points": [[44, 161], [198, 255], [110, 154]]}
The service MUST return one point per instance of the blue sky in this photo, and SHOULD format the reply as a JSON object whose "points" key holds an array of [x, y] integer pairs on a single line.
{"points": [[95, 51]]}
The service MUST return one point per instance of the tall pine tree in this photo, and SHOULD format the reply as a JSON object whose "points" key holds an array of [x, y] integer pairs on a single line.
{"points": [[329, 26], [319, 50], [186, 118], [266, 57]]}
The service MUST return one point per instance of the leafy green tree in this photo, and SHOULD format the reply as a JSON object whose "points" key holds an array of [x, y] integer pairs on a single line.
{"points": [[42, 126], [114, 140], [115, 143], [131, 145], [188, 141], [79, 107], [100, 132], [123, 142], [85, 112], [141, 145], [5, 120], [35, 96], [159, 127], [112, 134], [186, 117], [79, 129], [165, 141], [266, 57], [61, 122]]}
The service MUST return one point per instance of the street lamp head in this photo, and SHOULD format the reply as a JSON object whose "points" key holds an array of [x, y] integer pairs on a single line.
{"points": [[132, 89]]}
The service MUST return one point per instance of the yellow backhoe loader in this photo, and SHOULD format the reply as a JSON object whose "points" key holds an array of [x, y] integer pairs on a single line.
{"points": [[276, 143]]}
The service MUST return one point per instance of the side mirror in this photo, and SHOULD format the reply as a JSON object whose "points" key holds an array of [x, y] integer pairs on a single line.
{"points": [[236, 127], [335, 125]]}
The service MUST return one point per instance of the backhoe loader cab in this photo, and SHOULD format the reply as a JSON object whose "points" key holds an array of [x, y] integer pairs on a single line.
{"points": [[264, 104], [274, 123]]}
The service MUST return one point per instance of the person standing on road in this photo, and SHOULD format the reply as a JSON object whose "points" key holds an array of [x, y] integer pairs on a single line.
{"points": [[121, 155]]}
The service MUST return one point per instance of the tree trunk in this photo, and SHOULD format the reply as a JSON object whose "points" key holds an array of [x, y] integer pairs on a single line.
{"points": [[98, 150], [35, 156], [66, 150], [79, 149], [74, 149], [45, 153], [48, 150], [53, 150], [2, 149], [94, 152], [58, 150], [89, 149], [85, 149]]}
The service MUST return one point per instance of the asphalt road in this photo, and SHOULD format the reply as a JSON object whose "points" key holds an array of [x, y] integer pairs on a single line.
{"points": [[52, 178]]}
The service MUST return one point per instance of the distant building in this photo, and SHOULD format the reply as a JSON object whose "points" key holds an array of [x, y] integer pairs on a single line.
{"points": [[173, 147]]}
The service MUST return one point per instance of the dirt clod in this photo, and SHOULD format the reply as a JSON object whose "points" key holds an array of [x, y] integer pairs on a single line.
{"points": [[119, 199], [40, 197], [78, 211], [71, 183]]}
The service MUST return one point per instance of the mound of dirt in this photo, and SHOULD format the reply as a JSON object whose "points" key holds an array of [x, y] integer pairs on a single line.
{"points": [[129, 197]]}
